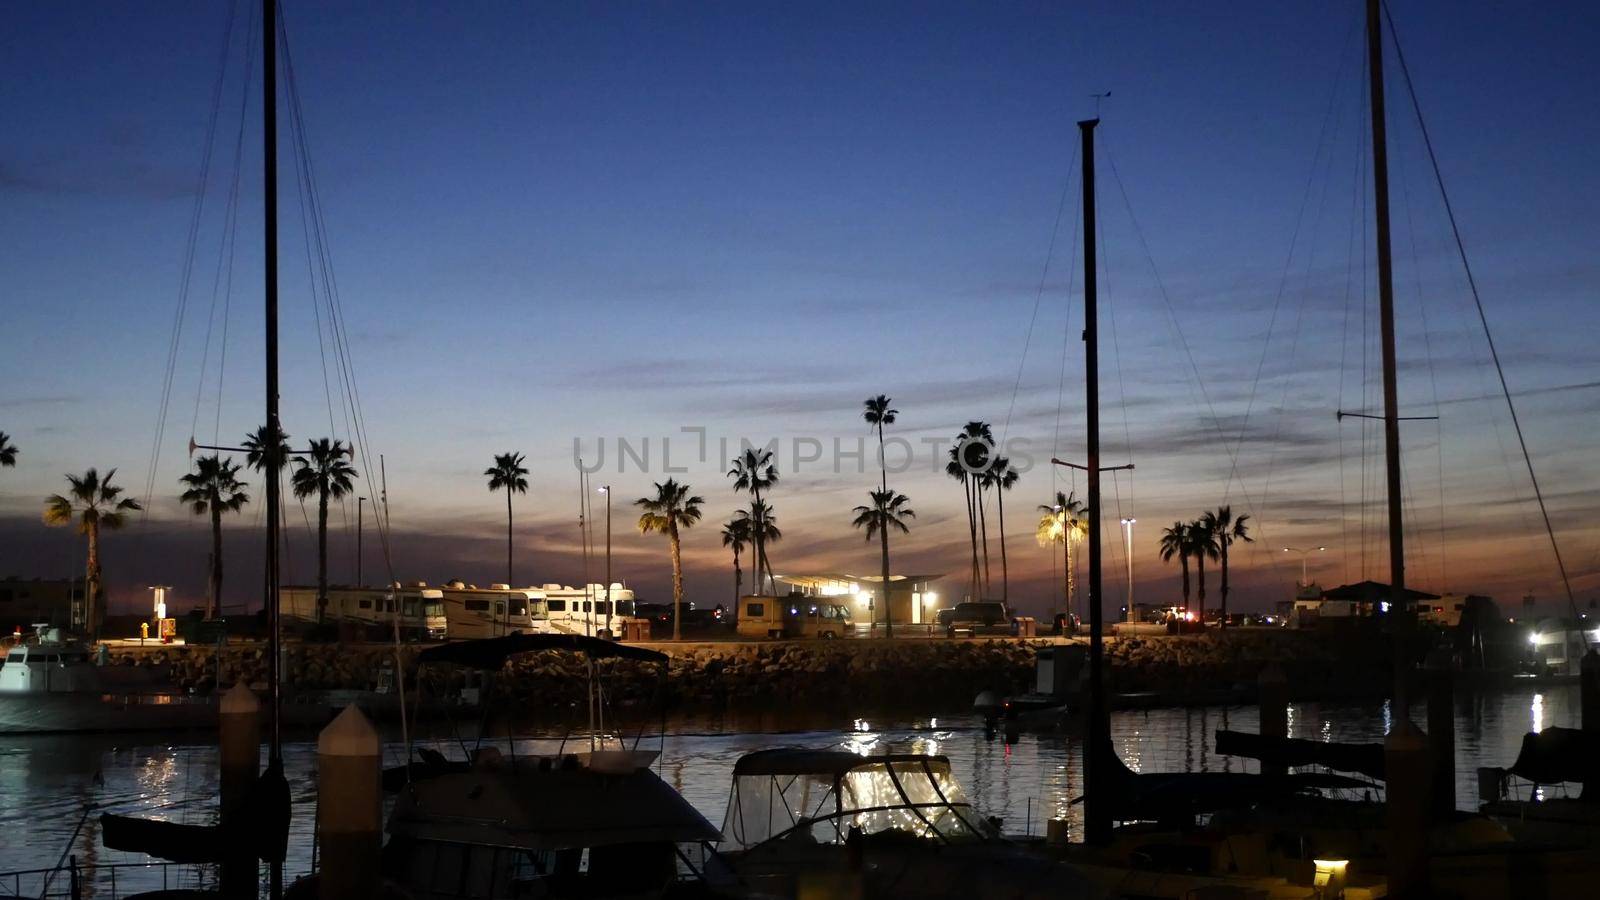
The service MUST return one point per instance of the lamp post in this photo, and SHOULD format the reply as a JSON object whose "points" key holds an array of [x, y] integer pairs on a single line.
{"points": [[360, 506], [606, 489], [1127, 537], [1304, 553]]}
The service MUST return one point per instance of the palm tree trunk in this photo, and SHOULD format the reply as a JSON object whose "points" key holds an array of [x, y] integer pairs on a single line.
{"points": [[322, 556], [1200, 571], [510, 577], [1224, 581], [677, 585], [92, 614], [766, 564], [215, 606], [983, 525], [1005, 573], [972, 528], [1184, 560], [1066, 573], [883, 534], [738, 579], [759, 524], [888, 609]]}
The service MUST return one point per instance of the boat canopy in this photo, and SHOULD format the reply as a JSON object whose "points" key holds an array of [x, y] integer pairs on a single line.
{"points": [[821, 796], [1557, 755], [492, 653], [547, 809], [1366, 759]]}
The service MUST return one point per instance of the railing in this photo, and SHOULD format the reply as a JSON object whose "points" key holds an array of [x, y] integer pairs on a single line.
{"points": [[80, 881]]}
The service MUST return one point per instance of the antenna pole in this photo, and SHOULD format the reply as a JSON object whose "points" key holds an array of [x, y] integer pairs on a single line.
{"points": [[1096, 762]]}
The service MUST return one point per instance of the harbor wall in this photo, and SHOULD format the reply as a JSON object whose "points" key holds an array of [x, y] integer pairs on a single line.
{"points": [[936, 674]]}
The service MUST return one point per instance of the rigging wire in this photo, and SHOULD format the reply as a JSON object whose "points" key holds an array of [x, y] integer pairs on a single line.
{"points": [[187, 270], [1483, 319], [1044, 274]]}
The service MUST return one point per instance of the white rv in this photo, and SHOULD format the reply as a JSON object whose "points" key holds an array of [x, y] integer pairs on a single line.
{"points": [[475, 612], [370, 610], [587, 611]]}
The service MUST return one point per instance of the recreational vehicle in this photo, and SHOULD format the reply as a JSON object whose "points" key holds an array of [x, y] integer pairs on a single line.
{"points": [[369, 610], [591, 611], [475, 612]]}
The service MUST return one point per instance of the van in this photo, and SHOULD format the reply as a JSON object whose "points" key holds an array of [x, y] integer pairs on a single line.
{"points": [[493, 611], [370, 611], [794, 616], [592, 611]]}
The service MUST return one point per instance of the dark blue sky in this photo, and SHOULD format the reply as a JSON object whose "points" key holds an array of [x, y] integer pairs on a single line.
{"points": [[589, 220]]}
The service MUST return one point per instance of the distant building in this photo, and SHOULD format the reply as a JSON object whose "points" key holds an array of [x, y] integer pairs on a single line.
{"points": [[25, 602], [1559, 644], [911, 597], [1350, 601]]}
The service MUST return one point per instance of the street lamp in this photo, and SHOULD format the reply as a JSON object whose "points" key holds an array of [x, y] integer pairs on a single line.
{"points": [[361, 503], [1127, 533], [1304, 553], [606, 489]]}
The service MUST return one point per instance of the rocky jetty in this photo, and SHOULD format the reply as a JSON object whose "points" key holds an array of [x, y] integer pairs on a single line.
{"points": [[937, 675]]}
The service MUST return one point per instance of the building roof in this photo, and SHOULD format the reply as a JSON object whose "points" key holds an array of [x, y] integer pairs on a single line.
{"points": [[1370, 592]]}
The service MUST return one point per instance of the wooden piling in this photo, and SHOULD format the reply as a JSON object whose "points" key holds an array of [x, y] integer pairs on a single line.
{"points": [[239, 736], [349, 807], [1273, 699], [1440, 674]]}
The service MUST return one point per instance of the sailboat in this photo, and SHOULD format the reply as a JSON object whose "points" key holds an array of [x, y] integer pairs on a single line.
{"points": [[1293, 834]]}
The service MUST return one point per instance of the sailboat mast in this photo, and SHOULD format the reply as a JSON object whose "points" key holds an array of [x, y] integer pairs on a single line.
{"points": [[1096, 814], [1391, 405], [269, 149]]}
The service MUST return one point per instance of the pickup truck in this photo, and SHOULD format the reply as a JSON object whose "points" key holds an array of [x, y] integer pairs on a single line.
{"points": [[976, 618]]}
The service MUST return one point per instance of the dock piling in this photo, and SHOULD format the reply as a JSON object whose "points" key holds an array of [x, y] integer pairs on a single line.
{"points": [[349, 807], [1440, 673], [239, 739], [1273, 699]]}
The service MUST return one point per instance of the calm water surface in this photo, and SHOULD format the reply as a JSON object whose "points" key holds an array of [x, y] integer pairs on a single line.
{"points": [[50, 782]]}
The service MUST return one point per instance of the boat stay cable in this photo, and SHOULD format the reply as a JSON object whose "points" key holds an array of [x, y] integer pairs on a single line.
{"points": [[1483, 319]]}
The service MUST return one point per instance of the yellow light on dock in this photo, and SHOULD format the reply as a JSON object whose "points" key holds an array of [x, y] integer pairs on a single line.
{"points": [[1330, 876]]}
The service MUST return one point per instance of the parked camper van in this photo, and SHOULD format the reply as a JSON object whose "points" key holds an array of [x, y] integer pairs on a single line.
{"points": [[794, 616], [586, 611], [475, 612], [370, 610]]}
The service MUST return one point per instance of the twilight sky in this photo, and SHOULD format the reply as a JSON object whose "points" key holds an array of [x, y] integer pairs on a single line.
{"points": [[589, 222]]}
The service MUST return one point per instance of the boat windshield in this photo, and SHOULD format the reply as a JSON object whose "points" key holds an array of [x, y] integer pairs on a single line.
{"points": [[911, 794]]}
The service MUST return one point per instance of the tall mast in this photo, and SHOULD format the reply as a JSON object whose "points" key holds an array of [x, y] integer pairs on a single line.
{"points": [[1406, 757], [1391, 405], [1096, 814], [276, 786]]}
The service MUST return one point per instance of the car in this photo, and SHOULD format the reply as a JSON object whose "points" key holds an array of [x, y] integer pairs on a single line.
{"points": [[979, 617]]}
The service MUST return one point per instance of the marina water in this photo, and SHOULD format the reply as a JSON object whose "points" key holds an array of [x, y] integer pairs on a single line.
{"points": [[56, 786]]}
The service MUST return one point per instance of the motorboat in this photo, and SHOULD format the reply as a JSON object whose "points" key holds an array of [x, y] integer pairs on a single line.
{"points": [[1531, 798], [595, 822], [52, 683], [808, 822]]}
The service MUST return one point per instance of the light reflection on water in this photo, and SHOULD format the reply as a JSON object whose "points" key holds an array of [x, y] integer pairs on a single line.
{"points": [[50, 781]]}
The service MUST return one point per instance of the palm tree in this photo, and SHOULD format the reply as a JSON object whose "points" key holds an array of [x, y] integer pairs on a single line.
{"points": [[754, 472], [256, 445], [877, 413], [324, 473], [508, 472], [669, 512], [966, 465], [95, 503], [764, 532], [1060, 525], [980, 435], [8, 451], [1202, 545], [1175, 542], [888, 511], [1228, 530], [736, 534], [214, 487], [1004, 477]]}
